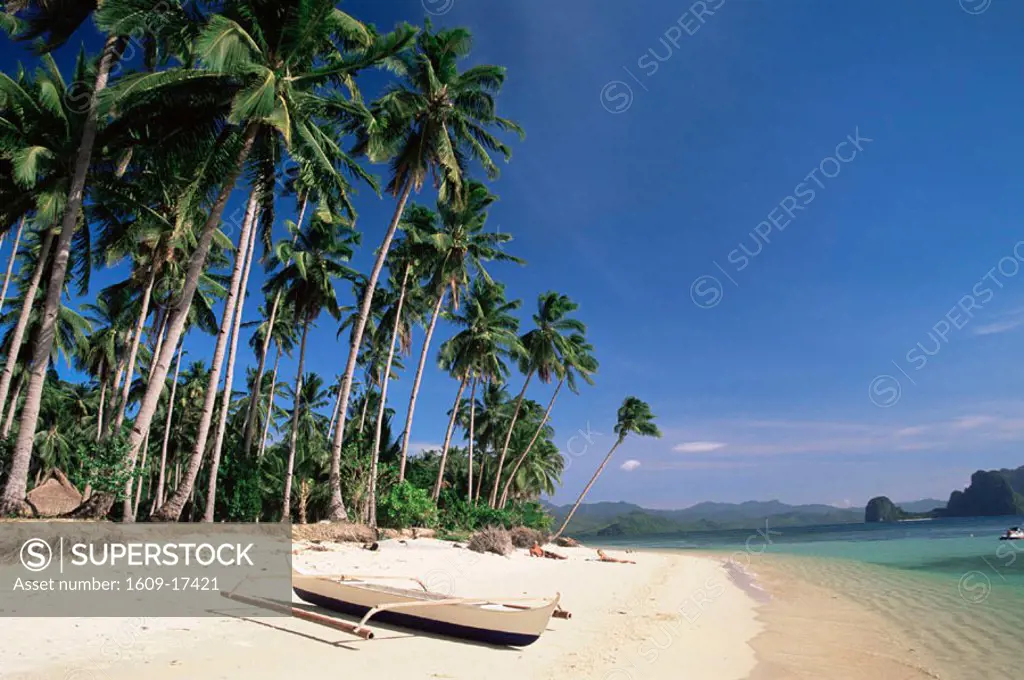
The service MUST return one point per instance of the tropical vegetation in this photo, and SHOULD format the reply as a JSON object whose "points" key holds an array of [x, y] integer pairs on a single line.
{"points": [[126, 165]]}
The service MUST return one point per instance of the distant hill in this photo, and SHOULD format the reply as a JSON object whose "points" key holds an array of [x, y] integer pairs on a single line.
{"points": [[626, 519]]}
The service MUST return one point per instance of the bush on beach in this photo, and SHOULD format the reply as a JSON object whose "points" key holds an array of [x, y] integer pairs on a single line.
{"points": [[491, 539], [525, 537]]}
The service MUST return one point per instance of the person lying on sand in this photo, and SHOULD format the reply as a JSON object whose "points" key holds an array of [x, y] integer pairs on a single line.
{"points": [[601, 557], [537, 551]]}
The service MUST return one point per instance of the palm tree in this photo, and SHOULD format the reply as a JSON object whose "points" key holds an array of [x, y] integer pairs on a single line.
{"points": [[40, 131], [273, 69], [634, 417], [451, 255], [178, 498], [53, 19], [544, 345], [236, 322], [576, 358], [433, 121], [309, 451], [316, 260], [282, 335], [478, 352], [400, 321]]}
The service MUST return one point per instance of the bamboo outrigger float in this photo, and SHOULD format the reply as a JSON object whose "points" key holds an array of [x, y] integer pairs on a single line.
{"points": [[498, 621]]}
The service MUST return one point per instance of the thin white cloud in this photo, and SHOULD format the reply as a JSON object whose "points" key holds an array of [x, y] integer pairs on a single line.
{"points": [[910, 431], [972, 422], [1007, 322], [998, 327], [629, 465], [698, 447]]}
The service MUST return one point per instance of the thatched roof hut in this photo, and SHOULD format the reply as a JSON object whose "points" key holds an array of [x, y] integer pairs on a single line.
{"points": [[56, 495]]}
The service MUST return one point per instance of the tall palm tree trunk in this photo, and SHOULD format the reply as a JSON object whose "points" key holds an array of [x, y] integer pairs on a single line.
{"points": [[159, 496], [334, 413], [99, 412], [362, 412], [448, 439], [13, 406], [161, 335], [384, 400], [303, 500], [508, 438], [407, 433], [171, 510], [10, 263], [23, 317], [586, 489], [480, 477], [254, 399], [113, 402], [472, 418], [336, 509], [138, 489], [17, 478], [286, 504], [133, 354], [529, 447], [229, 377], [270, 406]]}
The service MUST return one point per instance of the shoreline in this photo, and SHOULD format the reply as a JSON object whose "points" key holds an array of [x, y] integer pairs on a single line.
{"points": [[811, 630]]}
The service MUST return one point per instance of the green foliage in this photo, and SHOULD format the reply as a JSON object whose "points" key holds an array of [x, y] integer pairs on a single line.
{"points": [[456, 515], [104, 465], [240, 487], [405, 505]]}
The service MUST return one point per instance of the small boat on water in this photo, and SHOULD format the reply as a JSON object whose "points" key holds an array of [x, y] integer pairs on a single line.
{"points": [[1013, 534], [500, 621]]}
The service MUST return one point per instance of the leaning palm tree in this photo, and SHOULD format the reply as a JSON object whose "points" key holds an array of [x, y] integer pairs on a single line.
{"points": [[316, 261], [451, 255], [544, 345], [434, 120], [634, 417]]}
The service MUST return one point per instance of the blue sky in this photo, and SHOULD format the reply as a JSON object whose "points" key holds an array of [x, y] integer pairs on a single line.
{"points": [[669, 143]]}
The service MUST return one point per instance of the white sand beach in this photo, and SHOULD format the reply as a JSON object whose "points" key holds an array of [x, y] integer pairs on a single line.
{"points": [[665, 615]]}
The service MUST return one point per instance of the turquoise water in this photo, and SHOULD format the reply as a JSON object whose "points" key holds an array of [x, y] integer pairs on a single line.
{"points": [[943, 547], [952, 583]]}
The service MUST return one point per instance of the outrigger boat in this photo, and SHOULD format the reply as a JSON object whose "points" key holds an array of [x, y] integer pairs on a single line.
{"points": [[1013, 534], [496, 621]]}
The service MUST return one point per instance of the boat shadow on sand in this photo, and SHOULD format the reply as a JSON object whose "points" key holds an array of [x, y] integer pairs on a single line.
{"points": [[382, 631]]}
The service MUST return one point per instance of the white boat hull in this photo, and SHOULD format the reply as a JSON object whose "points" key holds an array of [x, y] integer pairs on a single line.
{"points": [[478, 620]]}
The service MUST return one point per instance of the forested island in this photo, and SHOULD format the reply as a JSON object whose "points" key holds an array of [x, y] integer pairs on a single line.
{"points": [[991, 493]]}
